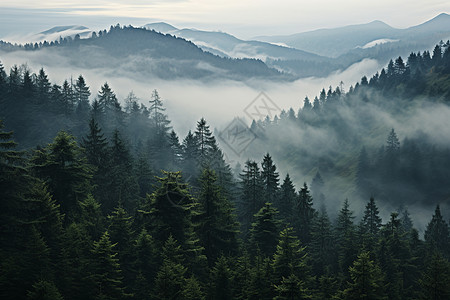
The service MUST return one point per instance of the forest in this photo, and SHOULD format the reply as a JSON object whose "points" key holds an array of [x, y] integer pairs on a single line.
{"points": [[102, 200]]}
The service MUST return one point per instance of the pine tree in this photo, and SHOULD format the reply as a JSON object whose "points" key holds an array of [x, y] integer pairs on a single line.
{"points": [[42, 87], [96, 149], [286, 200], [322, 243], [217, 228], [269, 176], [437, 236], [290, 258], [345, 238], [144, 265], [168, 211], [221, 280], [189, 158], [304, 214], [44, 290], [435, 278], [121, 234], [105, 270], [366, 279], [370, 225], [63, 166], [170, 279], [122, 185], [291, 288], [251, 194], [176, 151], [205, 140], [264, 233]]}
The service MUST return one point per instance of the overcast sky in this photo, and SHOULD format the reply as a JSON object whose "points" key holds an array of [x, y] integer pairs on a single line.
{"points": [[243, 18]]}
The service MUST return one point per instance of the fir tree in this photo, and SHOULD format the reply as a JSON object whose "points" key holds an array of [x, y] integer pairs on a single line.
{"points": [[105, 270], [269, 176], [366, 279], [264, 233]]}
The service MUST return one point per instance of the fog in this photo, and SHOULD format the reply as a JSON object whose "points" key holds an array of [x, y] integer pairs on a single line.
{"points": [[187, 100], [219, 101]]}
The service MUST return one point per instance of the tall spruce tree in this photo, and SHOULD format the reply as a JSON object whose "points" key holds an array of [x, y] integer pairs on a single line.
{"points": [[264, 233], [270, 178], [217, 228]]}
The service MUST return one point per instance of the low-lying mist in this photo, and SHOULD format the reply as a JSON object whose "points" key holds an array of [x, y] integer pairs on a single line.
{"points": [[221, 100]]}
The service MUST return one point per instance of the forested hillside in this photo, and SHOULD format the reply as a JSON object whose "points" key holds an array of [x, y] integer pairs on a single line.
{"points": [[103, 200], [385, 137], [130, 50]]}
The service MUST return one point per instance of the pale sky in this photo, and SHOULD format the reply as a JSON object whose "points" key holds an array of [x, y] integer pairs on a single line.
{"points": [[243, 18]]}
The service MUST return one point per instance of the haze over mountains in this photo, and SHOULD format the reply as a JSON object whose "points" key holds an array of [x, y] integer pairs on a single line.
{"points": [[315, 53]]}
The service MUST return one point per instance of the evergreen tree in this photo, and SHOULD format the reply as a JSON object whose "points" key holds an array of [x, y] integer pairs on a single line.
{"points": [[251, 194], [345, 238], [168, 211], [170, 279], [217, 228], [291, 288], [286, 199], [105, 270], [264, 233], [269, 176], [437, 234], [221, 280], [290, 258], [205, 140], [366, 279], [44, 290], [370, 225], [121, 234], [435, 278], [304, 214], [322, 244], [63, 166]]}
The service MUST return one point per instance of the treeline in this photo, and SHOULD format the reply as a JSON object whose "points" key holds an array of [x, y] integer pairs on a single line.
{"points": [[63, 238], [165, 56]]}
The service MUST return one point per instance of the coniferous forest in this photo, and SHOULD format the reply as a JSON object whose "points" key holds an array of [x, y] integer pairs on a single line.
{"points": [[101, 199]]}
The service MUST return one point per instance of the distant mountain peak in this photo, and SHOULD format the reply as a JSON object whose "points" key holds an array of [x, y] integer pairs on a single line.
{"points": [[162, 27], [63, 28]]}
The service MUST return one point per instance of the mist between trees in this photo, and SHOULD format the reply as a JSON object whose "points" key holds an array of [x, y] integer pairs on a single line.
{"points": [[83, 215]]}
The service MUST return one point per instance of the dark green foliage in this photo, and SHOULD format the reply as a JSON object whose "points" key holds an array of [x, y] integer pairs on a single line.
{"points": [[92, 222], [366, 280], [221, 280], [304, 214], [217, 228], [264, 233], [106, 274], [345, 237], [435, 278], [286, 200], [437, 236], [63, 166], [270, 179], [44, 290], [290, 258], [251, 194]]}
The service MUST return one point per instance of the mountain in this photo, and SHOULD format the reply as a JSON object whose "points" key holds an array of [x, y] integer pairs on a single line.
{"points": [[57, 32], [336, 41], [340, 41], [227, 45], [140, 52]]}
